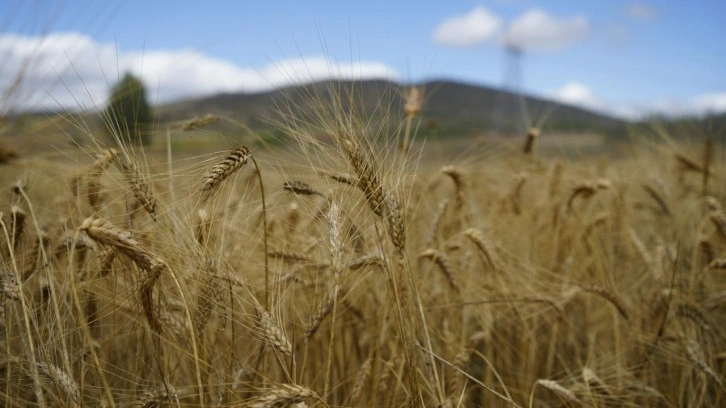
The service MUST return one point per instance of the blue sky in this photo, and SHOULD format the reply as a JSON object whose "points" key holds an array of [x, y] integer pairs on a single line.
{"points": [[626, 58]]}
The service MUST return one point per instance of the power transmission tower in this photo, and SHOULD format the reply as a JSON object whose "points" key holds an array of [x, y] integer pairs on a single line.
{"points": [[510, 101], [513, 67]]}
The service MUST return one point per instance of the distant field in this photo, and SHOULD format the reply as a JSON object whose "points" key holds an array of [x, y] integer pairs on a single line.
{"points": [[463, 272]]}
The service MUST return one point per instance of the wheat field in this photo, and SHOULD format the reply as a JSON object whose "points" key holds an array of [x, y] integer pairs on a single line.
{"points": [[355, 266]]}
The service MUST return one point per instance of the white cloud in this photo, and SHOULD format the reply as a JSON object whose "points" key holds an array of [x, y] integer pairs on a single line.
{"points": [[698, 105], [72, 70], [640, 11], [538, 30], [578, 94], [710, 103], [467, 30]]}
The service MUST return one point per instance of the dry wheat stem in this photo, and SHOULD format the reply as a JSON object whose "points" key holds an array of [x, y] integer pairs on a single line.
{"points": [[474, 380], [17, 216], [335, 233], [29, 344], [707, 161]]}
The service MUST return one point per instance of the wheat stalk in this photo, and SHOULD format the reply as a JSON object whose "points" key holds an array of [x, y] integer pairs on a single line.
{"points": [[105, 233], [272, 333], [658, 198], [200, 122], [435, 225], [594, 382], [17, 217], [210, 295], [323, 310], [139, 186], [532, 135], [300, 188], [9, 285], [718, 218], [587, 189], [221, 171], [567, 396], [157, 397], [694, 352], [64, 381], [203, 226], [93, 192], [521, 179], [693, 313], [103, 160], [459, 183], [396, 225], [282, 395], [372, 259], [717, 264], [444, 264], [687, 164], [484, 245], [361, 379], [608, 295]]}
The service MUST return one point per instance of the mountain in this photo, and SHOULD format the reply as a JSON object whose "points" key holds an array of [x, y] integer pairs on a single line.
{"points": [[450, 108]]}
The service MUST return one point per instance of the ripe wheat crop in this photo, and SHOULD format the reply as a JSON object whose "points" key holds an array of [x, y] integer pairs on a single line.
{"points": [[353, 266]]}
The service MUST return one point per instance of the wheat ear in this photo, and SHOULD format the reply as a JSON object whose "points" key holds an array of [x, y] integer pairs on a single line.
{"points": [[139, 186], [105, 233], [282, 395], [444, 264], [323, 310], [361, 378], [567, 396], [221, 171], [200, 122], [608, 295], [485, 247], [532, 135], [459, 183], [300, 188], [694, 352], [62, 379], [272, 333], [594, 381]]}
